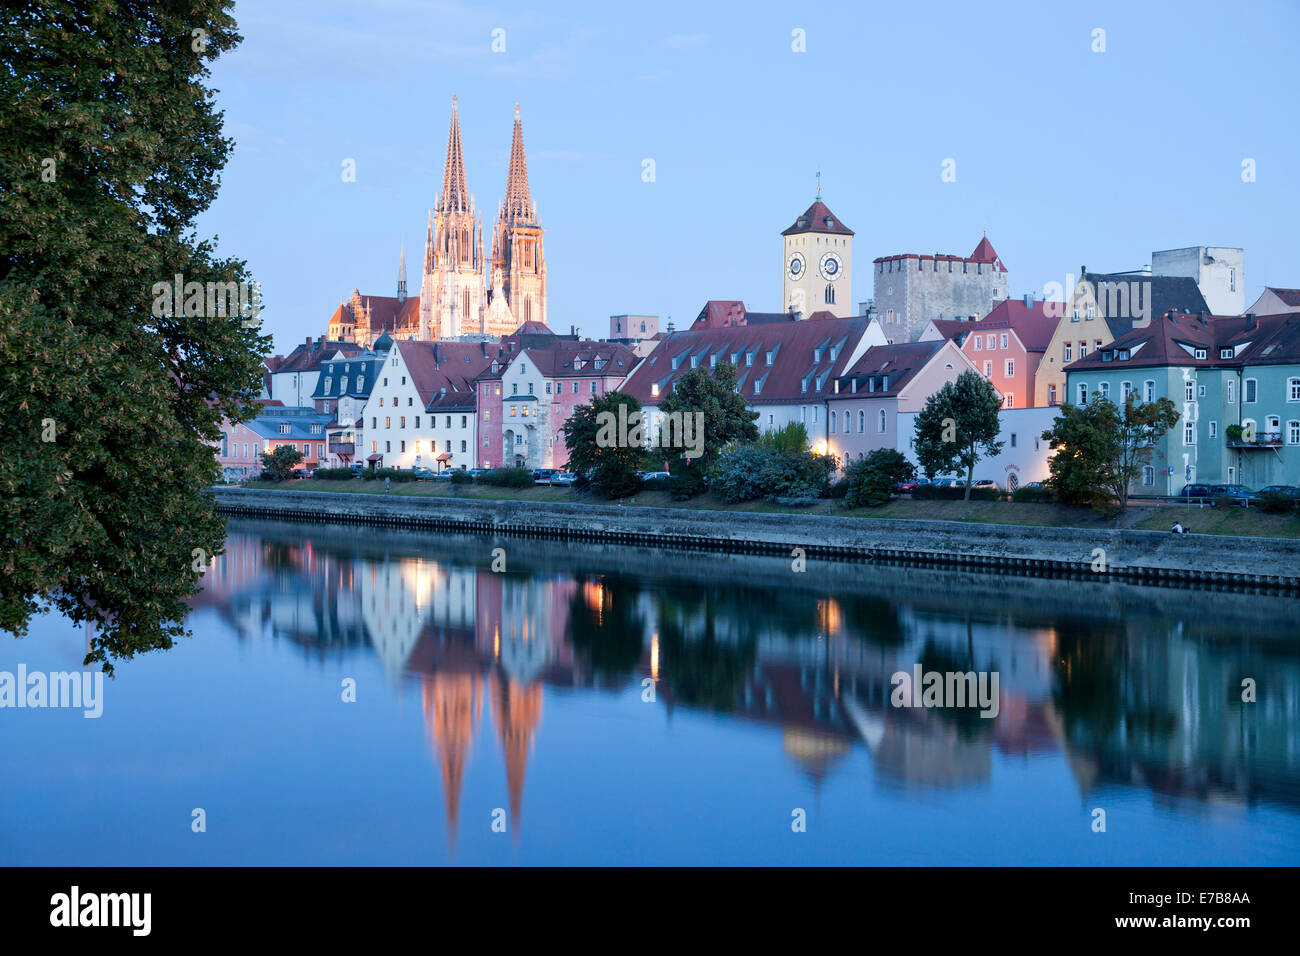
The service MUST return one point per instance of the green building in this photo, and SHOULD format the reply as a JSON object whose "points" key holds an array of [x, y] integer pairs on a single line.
{"points": [[1236, 383]]}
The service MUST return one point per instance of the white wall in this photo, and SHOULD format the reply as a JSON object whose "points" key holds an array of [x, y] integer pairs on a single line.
{"points": [[1027, 460]]}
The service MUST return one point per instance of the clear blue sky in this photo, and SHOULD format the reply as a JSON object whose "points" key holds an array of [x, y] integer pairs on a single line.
{"points": [[1070, 157]]}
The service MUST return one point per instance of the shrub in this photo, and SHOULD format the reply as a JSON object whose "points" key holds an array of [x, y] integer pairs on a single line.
{"points": [[514, 477], [461, 477], [838, 489], [874, 478], [955, 494], [394, 473], [1277, 503], [1032, 494], [687, 482], [657, 484], [756, 471], [333, 474]]}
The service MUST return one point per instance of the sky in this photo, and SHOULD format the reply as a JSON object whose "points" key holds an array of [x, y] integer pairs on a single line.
{"points": [[1067, 156]]}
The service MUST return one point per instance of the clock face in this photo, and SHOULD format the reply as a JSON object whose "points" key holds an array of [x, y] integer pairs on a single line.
{"points": [[796, 266], [831, 267]]}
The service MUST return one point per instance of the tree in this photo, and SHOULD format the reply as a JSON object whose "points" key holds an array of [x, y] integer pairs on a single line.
{"points": [[112, 395], [711, 398], [958, 426], [1101, 449], [276, 465], [874, 478], [605, 440]]}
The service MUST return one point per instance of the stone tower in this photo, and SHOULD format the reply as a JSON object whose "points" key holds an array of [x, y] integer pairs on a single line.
{"points": [[518, 259], [453, 288], [818, 264]]}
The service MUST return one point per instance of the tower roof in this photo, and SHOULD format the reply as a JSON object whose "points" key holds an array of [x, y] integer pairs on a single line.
{"points": [[455, 194], [818, 218], [984, 252], [518, 205]]}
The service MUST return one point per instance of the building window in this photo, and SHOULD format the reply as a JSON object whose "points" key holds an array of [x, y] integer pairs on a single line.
{"points": [[403, 420], [1009, 400], [388, 421], [1011, 368], [575, 388], [1003, 343], [593, 388], [1083, 393], [1148, 476], [1248, 391], [979, 342], [1083, 349], [1231, 385], [803, 413], [830, 294], [1051, 395], [1214, 429], [1189, 390], [1189, 433], [401, 446], [1232, 280], [1125, 390], [1293, 433], [1199, 353], [862, 421], [880, 421], [988, 369], [1273, 426], [990, 340], [832, 420], [1069, 357], [1103, 389], [1293, 389]]}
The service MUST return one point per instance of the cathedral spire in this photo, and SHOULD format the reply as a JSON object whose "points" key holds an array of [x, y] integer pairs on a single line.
{"points": [[401, 274], [428, 245], [518, 203], [455, 194]]}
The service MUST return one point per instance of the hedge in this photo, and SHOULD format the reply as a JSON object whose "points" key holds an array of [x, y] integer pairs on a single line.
{"points": [[507, 477]]}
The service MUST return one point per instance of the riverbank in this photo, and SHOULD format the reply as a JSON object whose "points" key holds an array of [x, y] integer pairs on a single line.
{"points": [[1104, 551], [1142, 515]]}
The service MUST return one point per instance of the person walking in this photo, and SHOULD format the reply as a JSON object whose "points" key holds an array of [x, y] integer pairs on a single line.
{"points": [[387, 479]]}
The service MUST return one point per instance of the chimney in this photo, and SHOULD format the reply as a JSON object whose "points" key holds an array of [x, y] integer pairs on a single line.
{"points": [[309, 341], [1029, 300], [1251, 322]]}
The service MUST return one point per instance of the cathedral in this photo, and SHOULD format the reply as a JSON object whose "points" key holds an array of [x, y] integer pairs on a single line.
{"points": [[463, 294]]}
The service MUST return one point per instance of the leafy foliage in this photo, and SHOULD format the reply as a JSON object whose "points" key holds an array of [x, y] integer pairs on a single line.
{"points": [[749, 472], [958, 427], [1100, 448], [512, 477], [873, 478], [727, 419], [608, 465], [276, 465], [111, 149]]}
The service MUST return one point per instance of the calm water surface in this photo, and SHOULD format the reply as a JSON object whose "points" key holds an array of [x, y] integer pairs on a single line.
{"points": [[522, 696]]}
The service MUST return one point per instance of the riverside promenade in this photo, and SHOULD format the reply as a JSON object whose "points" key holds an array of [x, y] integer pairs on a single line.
{"points": [[1151, 557]]}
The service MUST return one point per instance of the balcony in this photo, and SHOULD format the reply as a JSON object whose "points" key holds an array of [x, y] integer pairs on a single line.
{"points": [[342, 447], [1258, 440]]}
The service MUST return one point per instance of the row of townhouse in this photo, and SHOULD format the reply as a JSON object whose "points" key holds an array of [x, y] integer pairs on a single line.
{"points": [[852, 391], [242, 445], [1220, 372]]}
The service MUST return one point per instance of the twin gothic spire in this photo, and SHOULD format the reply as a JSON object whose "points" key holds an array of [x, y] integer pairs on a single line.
{"points": [[455, 196]]}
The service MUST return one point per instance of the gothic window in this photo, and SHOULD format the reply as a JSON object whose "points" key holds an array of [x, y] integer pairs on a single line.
{"points": [[830, 294]]}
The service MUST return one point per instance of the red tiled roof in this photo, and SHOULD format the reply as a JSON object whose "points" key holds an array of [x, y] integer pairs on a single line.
{"points": [[578, 359], [817, 218], [794, 361], [984, 252], [900, 363], [1270, 340], [453, 366], [1289, 296], [308, 356], [1032, 324], [387, 313]]}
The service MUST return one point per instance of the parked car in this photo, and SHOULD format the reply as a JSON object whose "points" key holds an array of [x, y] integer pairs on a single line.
{"points": [[1198, 491], [1290, 490], [299, 473], [544, 476], [950, 483], [564, 478], [476, 473], [986, 483], [909, 485], [1034, 484], [424, 474], [1237, 494], [646, 476], [443, 475]]}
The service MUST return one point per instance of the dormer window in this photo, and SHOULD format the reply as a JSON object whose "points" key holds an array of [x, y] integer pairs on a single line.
{"points": [[1123, 355], [771, 355], [1107, 355], [284, 428], [316, 428], [695, 361], [713, 361], [817, 355], [1225, 353], [1199, 353], [749, 358]]}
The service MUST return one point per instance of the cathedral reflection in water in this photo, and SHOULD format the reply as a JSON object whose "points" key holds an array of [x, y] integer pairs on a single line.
{"points": [[1132, 687]]}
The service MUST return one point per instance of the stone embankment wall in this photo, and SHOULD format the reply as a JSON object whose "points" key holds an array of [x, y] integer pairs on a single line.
{"points": [[1146, 556]]}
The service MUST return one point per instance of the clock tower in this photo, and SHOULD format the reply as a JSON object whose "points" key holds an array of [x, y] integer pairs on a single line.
{"points": [[818, 264]]}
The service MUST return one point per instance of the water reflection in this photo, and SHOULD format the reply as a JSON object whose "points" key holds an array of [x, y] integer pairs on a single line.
{"points": [[1134, 688]]}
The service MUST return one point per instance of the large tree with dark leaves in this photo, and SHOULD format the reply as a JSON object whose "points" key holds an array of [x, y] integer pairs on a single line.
{"points": [[110, 147]]}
